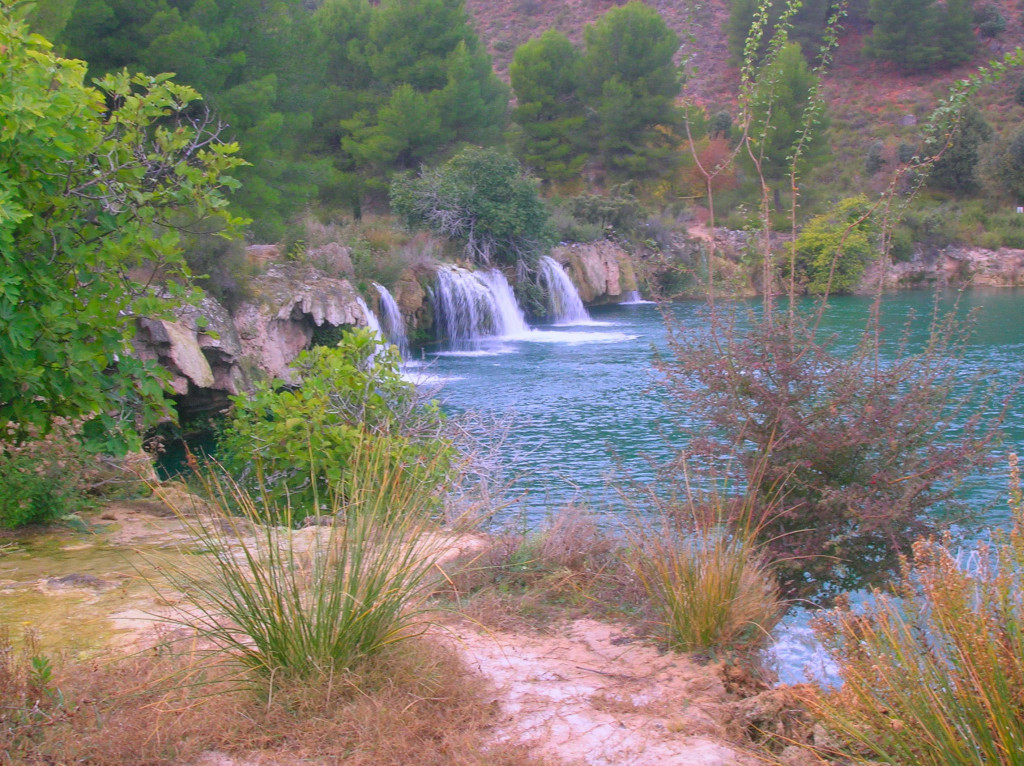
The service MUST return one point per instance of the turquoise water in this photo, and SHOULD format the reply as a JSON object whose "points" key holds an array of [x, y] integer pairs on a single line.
{"points": [[586, 405]]}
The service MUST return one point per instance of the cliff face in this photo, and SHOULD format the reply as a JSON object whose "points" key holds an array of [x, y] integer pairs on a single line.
{"points": [[950, 267], [212, 354], [602, 271]]}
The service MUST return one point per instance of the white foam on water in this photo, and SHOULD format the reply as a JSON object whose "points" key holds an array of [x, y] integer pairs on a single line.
{"points": [[798, 656], [576, 338]]}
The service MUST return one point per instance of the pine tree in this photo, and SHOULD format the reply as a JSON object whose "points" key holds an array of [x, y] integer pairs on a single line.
{"points": [[956, 32], [956, 170], [905, 33], [782, 95], [546, 77], [631, 83]]}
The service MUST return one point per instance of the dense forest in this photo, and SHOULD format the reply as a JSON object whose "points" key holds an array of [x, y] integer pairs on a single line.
{"points": [[329, 101]]}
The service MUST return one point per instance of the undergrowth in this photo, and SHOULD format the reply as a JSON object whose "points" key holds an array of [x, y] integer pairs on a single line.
{"points": [[932, 673], [417, 704]]}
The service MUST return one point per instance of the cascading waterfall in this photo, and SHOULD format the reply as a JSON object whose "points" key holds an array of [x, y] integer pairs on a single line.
{"points": [[371, 318], [634, 298], [391, 320], [564, 301], [471, 305]]}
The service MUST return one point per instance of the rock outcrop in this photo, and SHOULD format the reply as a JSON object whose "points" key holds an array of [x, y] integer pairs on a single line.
{"points": [[212, 354], [293, 301], [602, 271], [950, 266], [201, 350]]}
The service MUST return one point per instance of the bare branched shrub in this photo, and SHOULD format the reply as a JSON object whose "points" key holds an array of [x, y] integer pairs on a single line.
{"points": [[855, 443]]}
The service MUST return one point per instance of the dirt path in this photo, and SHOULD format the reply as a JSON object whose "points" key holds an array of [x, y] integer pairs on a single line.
{"points": [[592, 695]]}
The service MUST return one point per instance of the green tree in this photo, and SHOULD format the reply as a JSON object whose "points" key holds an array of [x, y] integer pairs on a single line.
{"points": [[1007, 167], [956, 169], [956, 32], [834, 249], [251, 61], [778, 107], [631, 83], [297, 442], [546, 78], [93, 182], [806, 26], [482, 198], [918, 34], [423, 47]]}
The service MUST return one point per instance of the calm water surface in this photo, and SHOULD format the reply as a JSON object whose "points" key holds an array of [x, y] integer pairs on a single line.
{"points": [[587, 407]]}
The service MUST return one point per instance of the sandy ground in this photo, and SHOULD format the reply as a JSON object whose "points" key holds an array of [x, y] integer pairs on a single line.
{"points": [[592, 695]]}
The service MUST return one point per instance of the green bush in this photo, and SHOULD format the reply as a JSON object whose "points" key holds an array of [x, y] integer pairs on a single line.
{"points": [[833, 249], [43, 479], [619, 210], [297, 442], [482, 198]]}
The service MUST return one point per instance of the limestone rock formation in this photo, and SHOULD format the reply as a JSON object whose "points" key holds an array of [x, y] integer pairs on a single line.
{"points": [[212, 354], [200, 349], [950, 266], [294, 300], [602, 271]]}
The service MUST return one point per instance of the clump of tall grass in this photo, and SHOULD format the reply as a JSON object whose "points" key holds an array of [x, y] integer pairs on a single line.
{"points": [[317, 600], [705, 575], [934, 674]]}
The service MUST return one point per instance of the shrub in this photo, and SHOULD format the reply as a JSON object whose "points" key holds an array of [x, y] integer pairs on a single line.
{"points": [[933, 674], [833, 249], [43, 479], [481, 198], [874, 159], [852, 449], [317, 601], [619, 210], [989, 21], [296, 443]]}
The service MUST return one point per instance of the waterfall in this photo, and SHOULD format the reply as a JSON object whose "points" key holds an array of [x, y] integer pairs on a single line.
{"points": [[470, 305], [564, 302], [392, 321], [634, 298], [371, 318]]}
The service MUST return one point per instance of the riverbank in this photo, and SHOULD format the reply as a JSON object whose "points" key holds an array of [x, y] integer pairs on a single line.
{"points": [[564, 691]]}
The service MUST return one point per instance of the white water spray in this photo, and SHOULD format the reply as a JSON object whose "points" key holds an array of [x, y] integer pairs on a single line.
{"points": [[564, 301], [472, 305], [391, 320], [634, 298]]}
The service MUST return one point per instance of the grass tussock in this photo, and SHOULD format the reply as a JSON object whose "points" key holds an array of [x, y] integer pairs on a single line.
{"points": [[933, 674], [318, 600], [416, 703], [706, 577], [568, 568]]}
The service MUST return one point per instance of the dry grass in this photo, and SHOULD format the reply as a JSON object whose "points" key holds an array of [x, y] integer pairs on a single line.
{"points": [[416, 705], [568, 569], [933, 675]]}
